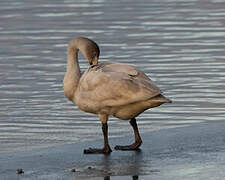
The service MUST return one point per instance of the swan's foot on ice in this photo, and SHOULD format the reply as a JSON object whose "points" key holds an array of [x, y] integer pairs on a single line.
{"points": [[138, 141], [131, 147], [106, 150]]}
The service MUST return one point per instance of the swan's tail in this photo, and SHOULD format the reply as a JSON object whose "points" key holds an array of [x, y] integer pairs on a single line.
{"points": [[162, 99]]}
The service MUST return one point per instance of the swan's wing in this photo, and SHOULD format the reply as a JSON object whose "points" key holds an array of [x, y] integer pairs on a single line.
{"points": [[119, 67], [115, 85]]}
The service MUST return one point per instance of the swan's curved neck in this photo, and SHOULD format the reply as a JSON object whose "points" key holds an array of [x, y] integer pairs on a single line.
{"points": [[72, 61], [90, 50], [72, 77]]}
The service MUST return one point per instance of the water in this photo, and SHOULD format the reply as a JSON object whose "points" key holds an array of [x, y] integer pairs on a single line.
{"points": [[179, 44]]}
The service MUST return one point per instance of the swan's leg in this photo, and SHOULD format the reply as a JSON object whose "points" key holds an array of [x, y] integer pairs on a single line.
{"points": [[138, 140], [106, 149]]}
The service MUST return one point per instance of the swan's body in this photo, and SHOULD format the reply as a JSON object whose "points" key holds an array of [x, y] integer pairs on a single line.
{"points": [[116, 89], [108, 89]]}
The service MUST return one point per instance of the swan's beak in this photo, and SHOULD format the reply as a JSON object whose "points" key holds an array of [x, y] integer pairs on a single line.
{"points": [[95, 61]]}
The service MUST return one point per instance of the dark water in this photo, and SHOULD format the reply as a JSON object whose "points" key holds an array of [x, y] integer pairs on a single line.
{"points": [[178, 43]]}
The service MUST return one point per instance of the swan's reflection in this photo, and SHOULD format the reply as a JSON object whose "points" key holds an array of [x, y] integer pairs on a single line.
{"points": [[125, 164], [131, 164], [133, 178]]}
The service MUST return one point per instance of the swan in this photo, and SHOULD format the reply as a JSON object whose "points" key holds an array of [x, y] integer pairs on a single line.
{"points": [[108, 89]]}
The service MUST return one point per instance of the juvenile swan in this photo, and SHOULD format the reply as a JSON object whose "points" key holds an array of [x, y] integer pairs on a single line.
{"points": [[108, 89]]}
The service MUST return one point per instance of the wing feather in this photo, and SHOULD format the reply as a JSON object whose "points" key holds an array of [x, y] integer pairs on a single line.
{"points": [[116, 84]]}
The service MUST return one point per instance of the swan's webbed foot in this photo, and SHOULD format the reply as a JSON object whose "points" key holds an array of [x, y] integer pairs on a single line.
{"points": [[106, 150], [134, 146], [138, 141]]}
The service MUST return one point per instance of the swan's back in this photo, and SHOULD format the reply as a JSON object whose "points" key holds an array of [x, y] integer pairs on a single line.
{"points": [[114, 84]]}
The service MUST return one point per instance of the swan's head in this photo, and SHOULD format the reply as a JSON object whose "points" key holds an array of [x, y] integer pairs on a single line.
{"points": [[92, 53], [89, 49], [92, 57]]}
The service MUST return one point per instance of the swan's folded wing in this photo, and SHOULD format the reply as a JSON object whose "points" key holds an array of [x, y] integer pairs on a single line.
{"points": [[119, 67], [116, 88]]}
